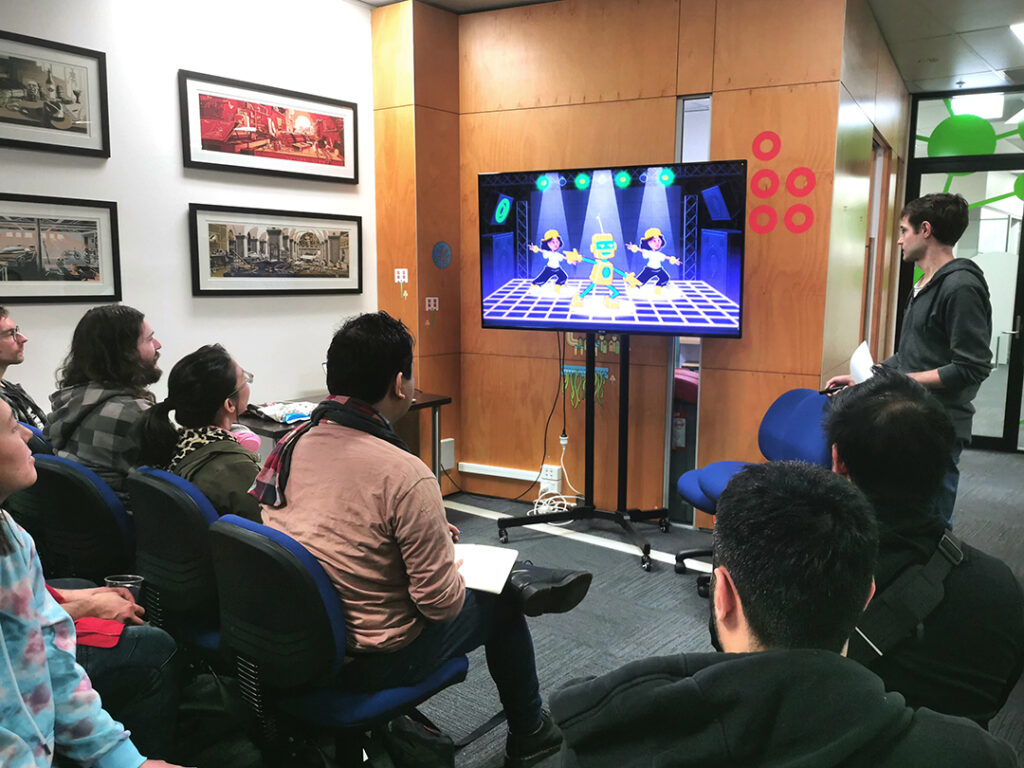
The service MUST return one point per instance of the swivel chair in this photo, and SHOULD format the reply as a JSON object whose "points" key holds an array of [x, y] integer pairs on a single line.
{"points": [[79, 524], [791, 430], [172, 552], [281, 618]]}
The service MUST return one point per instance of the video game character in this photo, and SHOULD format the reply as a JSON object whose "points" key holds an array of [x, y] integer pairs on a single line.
{"points": [[650, 248], [603, 246], [550, 246]]}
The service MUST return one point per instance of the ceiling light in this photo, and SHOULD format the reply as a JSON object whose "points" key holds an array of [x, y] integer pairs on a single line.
{"points": [[1017, 118], [1018, 30], [987, 105]]}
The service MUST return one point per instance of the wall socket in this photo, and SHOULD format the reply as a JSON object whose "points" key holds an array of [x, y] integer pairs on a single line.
{"points": [[551, 479]]}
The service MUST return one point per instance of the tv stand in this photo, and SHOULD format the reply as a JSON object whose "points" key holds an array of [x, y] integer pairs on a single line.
{"points": [[623, 517]]}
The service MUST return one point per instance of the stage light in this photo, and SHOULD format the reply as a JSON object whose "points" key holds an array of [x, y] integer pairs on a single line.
{"points": [[561, 181], [622, 179], [582, 181], [667, 176], [543, 182]]}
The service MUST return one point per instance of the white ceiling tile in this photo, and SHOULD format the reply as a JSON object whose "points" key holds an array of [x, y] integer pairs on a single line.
{"points": [[952, 83], [935, 57], [968, 15], [999, 47], [902, 20]]}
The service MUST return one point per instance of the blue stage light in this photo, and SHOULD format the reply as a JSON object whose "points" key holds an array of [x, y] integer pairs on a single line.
{"points": [[561, 181], [622, 179], [582, 181]]}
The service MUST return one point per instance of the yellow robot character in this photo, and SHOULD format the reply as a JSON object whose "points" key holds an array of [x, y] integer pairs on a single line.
{"points": [[603, 246]]}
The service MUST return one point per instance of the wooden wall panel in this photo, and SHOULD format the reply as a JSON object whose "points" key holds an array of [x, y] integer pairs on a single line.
{"points": [[558, 137], [862, 46], [569, 52], [892, 104], [440, 374], [436, 58], [396, 201], [391, 32], [784, 276], [760, 43], [846, 251], [438, 219], [503, 423], [696, 46]]}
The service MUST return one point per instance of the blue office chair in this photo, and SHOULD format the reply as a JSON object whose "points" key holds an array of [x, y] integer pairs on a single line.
{"points": [[282, 619], [791, 430], [172, 552], [79, 524], [37, 443]]}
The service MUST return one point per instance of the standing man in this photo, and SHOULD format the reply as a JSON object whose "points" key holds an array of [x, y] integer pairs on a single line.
{"points": [[794, 551], [104, 390], [12, 352], [348, 489], [947, 324]]}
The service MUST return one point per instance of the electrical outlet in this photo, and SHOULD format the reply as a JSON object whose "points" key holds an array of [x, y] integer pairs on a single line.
{"points": [[433, 303], [551, 479]]}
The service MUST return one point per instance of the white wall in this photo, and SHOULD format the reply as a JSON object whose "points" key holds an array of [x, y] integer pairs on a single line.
{"points": [[320, 47]]}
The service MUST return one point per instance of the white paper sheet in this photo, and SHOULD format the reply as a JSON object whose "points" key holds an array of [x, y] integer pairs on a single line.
{"points": [[485, 567], [861, 363]]}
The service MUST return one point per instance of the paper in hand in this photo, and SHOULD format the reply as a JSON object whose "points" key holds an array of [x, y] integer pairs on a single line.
{"points": [[861, 363]]}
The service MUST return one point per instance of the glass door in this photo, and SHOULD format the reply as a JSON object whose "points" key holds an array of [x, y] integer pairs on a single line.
{"points": [[993, 242]]}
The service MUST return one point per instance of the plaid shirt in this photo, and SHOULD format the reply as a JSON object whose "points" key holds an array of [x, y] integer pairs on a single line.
{"points": [[94, 426]]}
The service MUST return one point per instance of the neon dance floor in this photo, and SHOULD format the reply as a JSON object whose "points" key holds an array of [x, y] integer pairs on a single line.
{"points": [[690, 303]]}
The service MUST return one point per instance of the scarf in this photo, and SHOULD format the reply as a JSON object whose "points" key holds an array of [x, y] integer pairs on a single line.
{"points": [[268, 488], [190, 439]]}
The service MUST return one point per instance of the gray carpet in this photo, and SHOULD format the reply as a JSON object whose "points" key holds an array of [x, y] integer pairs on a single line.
{"points": [[630, 614]]}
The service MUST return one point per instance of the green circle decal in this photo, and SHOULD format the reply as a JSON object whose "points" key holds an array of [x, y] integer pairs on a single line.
{"points": [[962, 135]]}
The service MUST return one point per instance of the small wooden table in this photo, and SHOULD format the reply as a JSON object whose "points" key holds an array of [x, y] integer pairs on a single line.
{"points": [[275, 430]]}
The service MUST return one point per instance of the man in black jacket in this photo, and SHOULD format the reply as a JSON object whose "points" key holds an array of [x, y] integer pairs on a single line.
{"points": [[947, 323], [794, 553], [892, 438], [12, 352]]}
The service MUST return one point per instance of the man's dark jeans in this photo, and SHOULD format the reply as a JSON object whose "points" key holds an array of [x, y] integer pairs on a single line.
{"points": [[493, 621], [137, 681], [946, 497]]}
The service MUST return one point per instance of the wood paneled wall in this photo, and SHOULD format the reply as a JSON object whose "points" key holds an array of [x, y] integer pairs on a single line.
{"points": [[594, 82]]}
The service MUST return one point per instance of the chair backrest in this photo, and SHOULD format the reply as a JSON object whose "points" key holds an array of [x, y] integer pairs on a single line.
{"points": [[278, 608], [172, 545], [37, 443], [791, 429], [79, 522]]}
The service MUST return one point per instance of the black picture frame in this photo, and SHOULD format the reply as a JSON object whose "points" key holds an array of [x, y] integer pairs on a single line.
{"points": [[266, 252], [65, 112], [58, 250], [231, 125]]}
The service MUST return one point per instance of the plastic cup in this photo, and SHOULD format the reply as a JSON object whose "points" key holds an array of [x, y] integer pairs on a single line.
{"points": [[129, 581]]}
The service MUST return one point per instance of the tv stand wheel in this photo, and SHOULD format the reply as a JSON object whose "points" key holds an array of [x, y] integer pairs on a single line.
{"points": [[645, 562], [663, 525], [503, 536]]}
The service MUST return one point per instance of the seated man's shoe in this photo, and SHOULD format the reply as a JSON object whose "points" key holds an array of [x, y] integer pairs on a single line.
{"points": [[547, 590], [522, 751]]}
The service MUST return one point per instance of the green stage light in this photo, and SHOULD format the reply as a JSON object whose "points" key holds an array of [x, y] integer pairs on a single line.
{"points": [[667, 176], [622, 179], [543, 182], [582, 181]]}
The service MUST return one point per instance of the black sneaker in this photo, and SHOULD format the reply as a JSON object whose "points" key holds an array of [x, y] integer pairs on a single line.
{"points": [[547, 590], [523, 751]]}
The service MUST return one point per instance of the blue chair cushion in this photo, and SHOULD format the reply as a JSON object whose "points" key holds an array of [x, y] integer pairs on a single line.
{"points": [[777, 422], [806, 434], [337, 708], [688, 486], [110, 499], [714, 477], [203, 503]]}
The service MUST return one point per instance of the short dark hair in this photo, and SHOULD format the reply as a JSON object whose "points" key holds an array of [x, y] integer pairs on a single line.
{"points": [[197, 387], [801, 545], [894, 438], [366, 354], [3, 312], [946, 213], [105, 350]]}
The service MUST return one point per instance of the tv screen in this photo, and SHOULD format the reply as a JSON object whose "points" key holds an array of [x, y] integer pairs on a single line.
{"points": [[637, 249]]}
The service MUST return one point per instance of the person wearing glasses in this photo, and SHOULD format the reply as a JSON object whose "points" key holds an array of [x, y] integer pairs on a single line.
{"points": [[208, 391], [104, 390], [12, 352]]}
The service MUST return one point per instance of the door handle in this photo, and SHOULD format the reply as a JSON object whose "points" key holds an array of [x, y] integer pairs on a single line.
{"points": [[1016, 328]]}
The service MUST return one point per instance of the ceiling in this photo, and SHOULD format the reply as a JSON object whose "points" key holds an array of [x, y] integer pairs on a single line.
{"points": [[938, 45]]}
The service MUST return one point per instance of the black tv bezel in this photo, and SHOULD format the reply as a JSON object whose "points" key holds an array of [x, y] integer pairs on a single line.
{"points": [[582, 329]]}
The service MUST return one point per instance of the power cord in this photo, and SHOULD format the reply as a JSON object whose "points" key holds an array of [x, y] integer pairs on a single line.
{"points": [[544, 440]]}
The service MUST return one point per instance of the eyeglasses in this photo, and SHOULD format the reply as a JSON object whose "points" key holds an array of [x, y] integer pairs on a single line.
{"points": [[248, 380], [13, 333]]}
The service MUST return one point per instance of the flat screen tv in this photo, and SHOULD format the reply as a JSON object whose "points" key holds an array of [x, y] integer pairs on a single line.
{"points": [[640, 249]]}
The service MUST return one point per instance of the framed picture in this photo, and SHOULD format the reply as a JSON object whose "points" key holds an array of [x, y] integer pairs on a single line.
{"points": [[252, 251], [53, 97], [58, 249], [231, 125]]}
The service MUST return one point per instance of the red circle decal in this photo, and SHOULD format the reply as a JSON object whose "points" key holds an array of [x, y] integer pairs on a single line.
{"points": [[765, 174], [756, 214], [772, 151], [793, 212], [798, 173]]}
